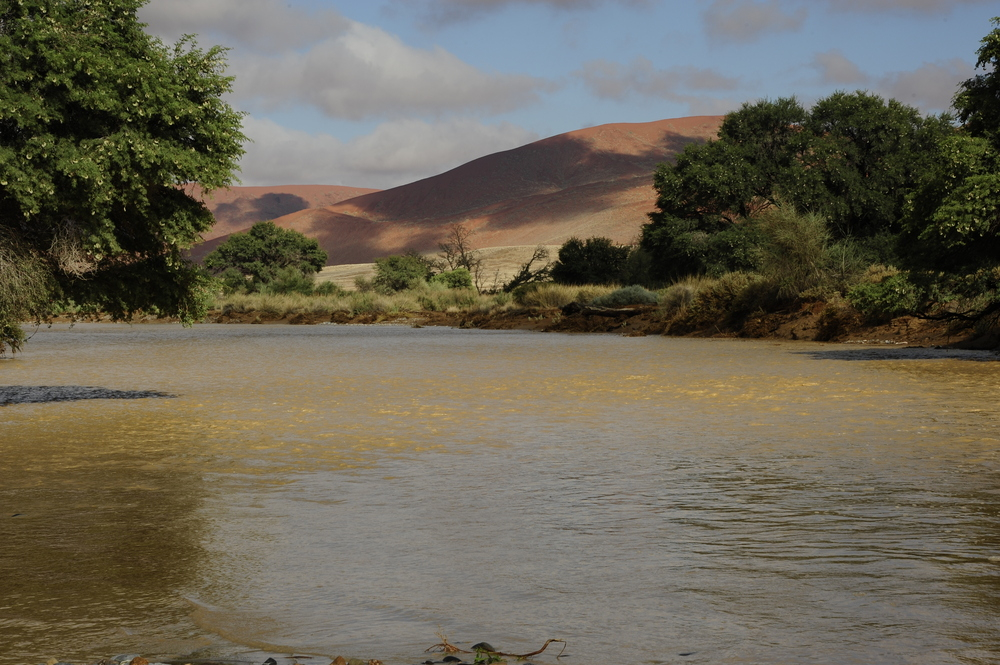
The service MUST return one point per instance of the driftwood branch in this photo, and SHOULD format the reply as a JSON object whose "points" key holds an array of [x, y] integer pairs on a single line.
{"points": [[445, 646]]}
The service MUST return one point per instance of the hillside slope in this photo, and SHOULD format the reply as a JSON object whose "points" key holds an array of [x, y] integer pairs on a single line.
{"points": [[239, 208], [592, 182]]}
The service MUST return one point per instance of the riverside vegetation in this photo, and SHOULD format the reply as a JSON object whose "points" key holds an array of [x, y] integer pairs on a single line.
{"points": [[855, 212]]}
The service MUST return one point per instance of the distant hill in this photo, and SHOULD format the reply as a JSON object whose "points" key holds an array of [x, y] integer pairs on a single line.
{"points": [[239, 208], [591, 182]]}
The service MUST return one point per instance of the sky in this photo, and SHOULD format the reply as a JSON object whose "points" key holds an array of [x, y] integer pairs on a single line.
{"points": [[379, 93]]}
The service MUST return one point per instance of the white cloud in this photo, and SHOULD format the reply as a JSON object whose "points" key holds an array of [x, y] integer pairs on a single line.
{"points": [[612, 80], [366, 72], [443, 12], [835, 68], [395, 153], [748, 20], [681, 85], [266, 25], [929, 87], [284, 56], [928, 6]]}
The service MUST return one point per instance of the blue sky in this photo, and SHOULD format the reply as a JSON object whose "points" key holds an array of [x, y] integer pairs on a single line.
{"points": [[377, 93]]}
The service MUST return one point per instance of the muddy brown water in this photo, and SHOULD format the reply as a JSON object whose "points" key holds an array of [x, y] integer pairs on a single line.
{"points": [[356, 490]]}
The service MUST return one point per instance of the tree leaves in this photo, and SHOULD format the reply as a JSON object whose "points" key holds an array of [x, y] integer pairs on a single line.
{"points": [[99, 126]]}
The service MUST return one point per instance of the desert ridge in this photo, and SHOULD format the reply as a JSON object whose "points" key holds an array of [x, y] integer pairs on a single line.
{"points": [[591, 182], [239, 208]]}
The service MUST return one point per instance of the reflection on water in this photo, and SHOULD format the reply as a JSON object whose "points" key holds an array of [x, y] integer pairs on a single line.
{"points": [[355, 490], [34, 394], [99, 530]]}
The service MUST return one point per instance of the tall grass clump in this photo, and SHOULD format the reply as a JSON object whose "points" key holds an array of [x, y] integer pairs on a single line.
{"points": [[678, 296], [549, 295], [436, 296], [719, 301], [794, 251]]}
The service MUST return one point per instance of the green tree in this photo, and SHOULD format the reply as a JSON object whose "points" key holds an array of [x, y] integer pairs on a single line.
{"points": [[863, 154], [590, 261], [978, 98], [951, 225], [703, 197], [100, 126], [851, 160], [951, 237], [265, 254], [952, 221]]}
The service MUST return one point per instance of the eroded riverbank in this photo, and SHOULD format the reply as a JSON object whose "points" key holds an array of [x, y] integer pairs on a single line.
{"points": [[807, 322]]}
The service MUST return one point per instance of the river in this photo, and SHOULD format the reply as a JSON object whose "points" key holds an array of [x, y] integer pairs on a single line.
{"points": [[358, 490]]}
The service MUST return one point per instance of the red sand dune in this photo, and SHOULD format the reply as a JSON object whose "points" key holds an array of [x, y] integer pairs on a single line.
{"points": [[591, 182], [239, 208]]}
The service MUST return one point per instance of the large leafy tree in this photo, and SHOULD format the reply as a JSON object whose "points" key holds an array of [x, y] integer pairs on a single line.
{"points": [[952, 221], [850, 159], [862, 155], [100, 126], [951, 235], [978, 98]]}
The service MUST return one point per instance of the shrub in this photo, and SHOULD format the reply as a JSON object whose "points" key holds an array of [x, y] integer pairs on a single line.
{"points": [[435, 297], [892, 296], [847, 260], [25, 291], [459, 278], [628, 295], [545, 295], [502, 300], [401, 272], [329, 289], [288, 280]]}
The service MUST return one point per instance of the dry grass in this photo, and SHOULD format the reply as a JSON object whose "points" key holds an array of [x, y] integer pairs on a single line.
{"points": [[678, 296], [550, 295], [425, 298]]}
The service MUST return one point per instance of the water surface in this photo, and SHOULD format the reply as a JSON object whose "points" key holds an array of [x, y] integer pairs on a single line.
{"points": [[356, 490]]}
